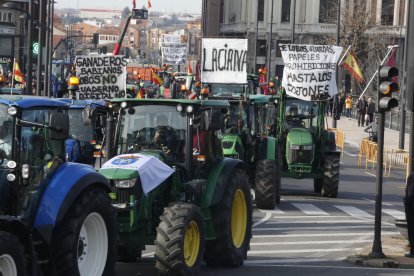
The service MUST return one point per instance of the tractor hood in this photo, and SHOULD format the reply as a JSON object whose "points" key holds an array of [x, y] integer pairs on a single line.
{"points": [[151, 171], [299, 136], [232, 144]]}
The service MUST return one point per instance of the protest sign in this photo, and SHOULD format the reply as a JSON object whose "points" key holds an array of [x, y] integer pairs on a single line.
{"points": [[101, 77], [174, 53], [309, 72], [224, 60]]}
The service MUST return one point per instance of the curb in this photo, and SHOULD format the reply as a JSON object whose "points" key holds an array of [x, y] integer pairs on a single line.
{"points": [[380, 263]]}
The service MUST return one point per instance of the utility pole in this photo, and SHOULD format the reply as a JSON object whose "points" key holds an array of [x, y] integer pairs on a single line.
{"points": [[46, 77], [257, 37], [29, 49], [269, 67], [40, 53], [335, 99], [52, 2], [293, 19], [402, 88], [409, 84]]}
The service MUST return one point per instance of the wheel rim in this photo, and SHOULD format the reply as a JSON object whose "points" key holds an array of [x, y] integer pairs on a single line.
{"points": [[238, 218], [7, 265], [92, 249], [191, 243]]}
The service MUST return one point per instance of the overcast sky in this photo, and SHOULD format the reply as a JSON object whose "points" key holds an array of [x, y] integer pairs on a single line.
{"points": [[191, 6]]}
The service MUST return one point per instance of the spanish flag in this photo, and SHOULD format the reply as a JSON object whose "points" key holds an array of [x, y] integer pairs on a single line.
{"points": [[18, 76], [155, 78], [149, 4], [351, 65]]}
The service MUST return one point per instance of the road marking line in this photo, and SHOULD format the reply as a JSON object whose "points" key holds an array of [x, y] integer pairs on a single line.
{"points": [[324, 235], [394, 213], [309, 209], [321, 228], [320, 222], [370, 174], [274, 211], [320, 250], [148, 254], [373, 201], [350, 154], [353, 211], [292, 260], [301, 217], [263, 220], [308, 242]]}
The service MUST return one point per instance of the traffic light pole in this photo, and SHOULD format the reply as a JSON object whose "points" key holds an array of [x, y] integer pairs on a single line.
{"points": [[377, 246]]}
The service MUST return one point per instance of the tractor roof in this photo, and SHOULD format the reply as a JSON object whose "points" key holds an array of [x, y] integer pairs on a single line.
{"points": [[212, 103], [30, 101], [78, 104]]}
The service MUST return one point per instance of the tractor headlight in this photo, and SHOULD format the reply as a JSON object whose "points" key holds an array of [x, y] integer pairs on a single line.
{"points": [[295, 147], [12, 110], [308, 147], [189, 108], [25, 171], [125, 183], [124, 105]]}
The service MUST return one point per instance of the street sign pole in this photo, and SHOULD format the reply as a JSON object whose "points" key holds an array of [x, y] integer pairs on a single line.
{"points": [[377, 246]]}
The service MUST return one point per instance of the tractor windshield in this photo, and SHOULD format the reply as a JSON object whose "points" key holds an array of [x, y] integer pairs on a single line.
{"points": [[149, 127], [6, 135], [304, 113], [236, 117], [226, 90], [78, 129]]}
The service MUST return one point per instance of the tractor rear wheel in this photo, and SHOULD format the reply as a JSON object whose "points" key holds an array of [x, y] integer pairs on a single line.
{"points": [[267, 186], [232, 219], [12, 260], [85, 240], [180, 240], [331, 176], [317, 185]]}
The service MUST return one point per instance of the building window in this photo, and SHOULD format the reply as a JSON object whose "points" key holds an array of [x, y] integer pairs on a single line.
{"points": [[285, 11], [387, 12], [261, 48], [260, 10], [328, 11]]}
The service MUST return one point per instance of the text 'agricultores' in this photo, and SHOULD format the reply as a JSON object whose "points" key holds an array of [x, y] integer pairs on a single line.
{"points": [[309, 71]]}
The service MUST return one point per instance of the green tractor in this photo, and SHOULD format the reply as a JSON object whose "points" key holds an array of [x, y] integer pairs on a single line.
{"points": [[172, 187], [246, 138], [308, 149]]}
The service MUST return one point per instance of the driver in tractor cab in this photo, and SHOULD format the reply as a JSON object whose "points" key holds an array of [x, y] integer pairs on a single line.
{"points": [[292, 118], [164, 136]]}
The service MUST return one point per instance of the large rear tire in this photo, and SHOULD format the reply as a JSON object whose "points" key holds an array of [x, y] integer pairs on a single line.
{"points": [[232, 219], [331, 176], [267, 185], [180, 240], [12, 260], [84, 242]]}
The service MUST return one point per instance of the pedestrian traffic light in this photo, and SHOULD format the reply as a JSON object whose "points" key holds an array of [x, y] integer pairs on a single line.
{"points": [[95, 39], [386, 87]]}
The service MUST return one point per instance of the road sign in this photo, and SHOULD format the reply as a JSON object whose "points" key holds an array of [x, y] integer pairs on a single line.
{"points": [[35, 48]]}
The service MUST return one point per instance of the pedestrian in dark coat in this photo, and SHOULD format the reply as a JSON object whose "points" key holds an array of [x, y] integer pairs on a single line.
{"points": [[362, 110], [370, 110]]}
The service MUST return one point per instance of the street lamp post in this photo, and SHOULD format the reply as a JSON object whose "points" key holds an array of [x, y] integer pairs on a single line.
{"points": [[270, 44], [40, 53], [335, 99]]}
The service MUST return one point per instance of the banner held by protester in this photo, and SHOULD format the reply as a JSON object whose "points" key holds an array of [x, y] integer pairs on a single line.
{"points": [[309, 72]]}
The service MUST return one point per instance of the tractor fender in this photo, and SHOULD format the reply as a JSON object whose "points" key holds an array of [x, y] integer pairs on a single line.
{"points": [[268, 148], [15, 226], [217, 179], [64, 187]]}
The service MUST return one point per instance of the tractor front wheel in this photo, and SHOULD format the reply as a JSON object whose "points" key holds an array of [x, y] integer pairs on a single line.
{"points": [[232, 219], [180, 240], [85, 240], [331, 176], [12, 260]]}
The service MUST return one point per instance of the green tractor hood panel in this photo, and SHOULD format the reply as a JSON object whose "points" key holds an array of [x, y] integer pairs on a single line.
{"points": [[299, 136], [299, 150], [232, 145]]}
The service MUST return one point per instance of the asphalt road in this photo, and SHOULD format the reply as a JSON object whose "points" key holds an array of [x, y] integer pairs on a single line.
{"points": [[308, 234]]}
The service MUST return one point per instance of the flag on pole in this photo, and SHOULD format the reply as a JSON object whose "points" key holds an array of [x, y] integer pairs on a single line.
{"points": [[18, 76], [134, 4], [149, 4], [350, 64], [155, 78]]}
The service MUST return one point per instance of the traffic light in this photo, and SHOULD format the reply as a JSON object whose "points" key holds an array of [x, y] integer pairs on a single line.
{"points": [[386, 87], [95, 39], [139, 14]]}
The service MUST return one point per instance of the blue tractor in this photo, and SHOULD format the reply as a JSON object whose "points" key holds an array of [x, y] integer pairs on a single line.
{"points": [[56, 216]]}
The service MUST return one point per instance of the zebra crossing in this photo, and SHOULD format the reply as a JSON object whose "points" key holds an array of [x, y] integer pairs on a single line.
{"points": [[297, 232]]}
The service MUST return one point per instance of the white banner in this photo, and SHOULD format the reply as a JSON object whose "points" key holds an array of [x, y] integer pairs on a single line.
{"points": [[224, 60], [309, 72], [152, 172], [174, 53], [170, 38], [101, 77]]}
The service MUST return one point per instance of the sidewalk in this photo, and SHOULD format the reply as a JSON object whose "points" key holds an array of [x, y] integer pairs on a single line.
{"points": [[354, 134]]}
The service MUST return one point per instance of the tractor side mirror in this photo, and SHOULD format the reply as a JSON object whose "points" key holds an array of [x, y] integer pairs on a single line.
{"points": [[86, 115], [59, 126]]}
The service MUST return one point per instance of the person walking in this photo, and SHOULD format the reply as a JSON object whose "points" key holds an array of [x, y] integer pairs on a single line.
{"points": [[348, 106], [370, 110], [362, 110]]}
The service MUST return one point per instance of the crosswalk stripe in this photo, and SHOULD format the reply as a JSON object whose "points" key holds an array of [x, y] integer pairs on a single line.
{"points": [[302, 217], [304, 235], [320, 221], [320, 250], [320, 228], [291, 260], [353, 211], [394, 213], [274, 211], [308, 242], [309, 209]]}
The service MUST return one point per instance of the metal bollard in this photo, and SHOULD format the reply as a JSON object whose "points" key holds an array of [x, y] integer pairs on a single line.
{"points": [[409, 213]]}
